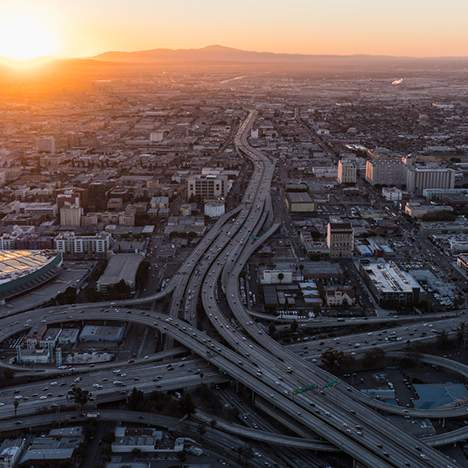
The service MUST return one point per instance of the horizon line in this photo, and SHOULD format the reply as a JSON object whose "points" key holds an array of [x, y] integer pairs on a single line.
{"points": [[95, 56]]}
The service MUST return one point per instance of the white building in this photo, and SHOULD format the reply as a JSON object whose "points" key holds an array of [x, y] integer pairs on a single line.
{"points": [[7, 242], [277, 277], [70, 243], [420, 178], [70, 215], [347, 171], [214, 208], [392, 194]]}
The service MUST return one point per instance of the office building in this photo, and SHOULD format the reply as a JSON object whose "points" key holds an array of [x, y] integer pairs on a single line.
{"points": [[347, 171], [385, 171], [420, 178], [97, 196], [340, 239], [207, 187]]}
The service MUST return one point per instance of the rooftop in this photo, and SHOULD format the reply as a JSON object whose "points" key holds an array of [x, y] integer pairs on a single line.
{"points": [[16, 263]]}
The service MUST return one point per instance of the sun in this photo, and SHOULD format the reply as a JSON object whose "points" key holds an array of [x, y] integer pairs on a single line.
{"points": [[24, 37]]}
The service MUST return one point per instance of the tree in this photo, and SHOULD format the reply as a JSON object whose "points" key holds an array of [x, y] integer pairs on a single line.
{"points": [[442, 340], [280, 277], [301, 269], [135, 400], [373, 358], [272, 329], [15, 405], [294, 326], [336, 361], [80, 397], [187, 405], [8, 374]]}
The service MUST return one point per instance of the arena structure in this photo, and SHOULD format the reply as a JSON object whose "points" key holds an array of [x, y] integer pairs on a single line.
{"points": [[24, 270]]}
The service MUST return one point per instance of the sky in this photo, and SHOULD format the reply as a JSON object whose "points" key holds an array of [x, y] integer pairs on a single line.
{"points": [[31, 28]]}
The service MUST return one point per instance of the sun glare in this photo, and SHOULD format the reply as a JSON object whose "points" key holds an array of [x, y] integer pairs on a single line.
{"points": [[25, 37]]}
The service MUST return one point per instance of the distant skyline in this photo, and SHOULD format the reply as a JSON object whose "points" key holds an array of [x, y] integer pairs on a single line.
{"points": [[80, 28]]}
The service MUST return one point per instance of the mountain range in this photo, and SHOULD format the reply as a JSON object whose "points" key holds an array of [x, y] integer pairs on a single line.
{"points": [[220, 54]]}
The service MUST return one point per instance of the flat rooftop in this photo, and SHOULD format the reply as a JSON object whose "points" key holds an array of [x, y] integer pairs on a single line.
{"points": [[389, 278]]}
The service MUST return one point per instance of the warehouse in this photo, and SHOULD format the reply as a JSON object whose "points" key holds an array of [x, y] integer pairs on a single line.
{"points": [[299, 202], [121, 267]]}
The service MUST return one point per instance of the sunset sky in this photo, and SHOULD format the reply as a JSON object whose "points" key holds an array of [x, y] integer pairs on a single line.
{"points": [[30, 28]]}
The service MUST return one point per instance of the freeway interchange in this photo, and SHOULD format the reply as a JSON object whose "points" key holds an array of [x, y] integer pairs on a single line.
{"points": [[242, 350]]}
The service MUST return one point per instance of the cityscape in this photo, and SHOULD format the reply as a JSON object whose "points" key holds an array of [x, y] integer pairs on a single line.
{"points": [[225, 256]]}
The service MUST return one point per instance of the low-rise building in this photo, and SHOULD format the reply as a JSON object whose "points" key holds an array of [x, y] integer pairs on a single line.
{"points": [[390, 285], [121, 267], [338, 296], [300, 202]]}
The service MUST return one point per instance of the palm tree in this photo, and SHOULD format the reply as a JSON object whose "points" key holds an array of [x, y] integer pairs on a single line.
{"points": [[280, 277], [80, 397]]}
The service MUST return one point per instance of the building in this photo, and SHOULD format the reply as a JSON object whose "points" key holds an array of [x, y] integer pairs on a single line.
{"points": [[340, 239], [392, 194], [101, 334], [385, 171], [54, 449], [145, 440], [121, 267], [70, 215], [46, 144], [10, 452], [420, 178], [444, 194], [421, 210], [97, 196], [338, 296], [24, 270], [347, 171], [214, 208], [299, 202], [391, 286], [207, 187], [277, 277], [73, 244]]}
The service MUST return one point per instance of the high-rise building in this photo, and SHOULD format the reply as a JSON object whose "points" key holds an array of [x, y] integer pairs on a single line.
{"points": [[420, 178], [70, 215], [385, 171], [97, 196], [340, 238], [347, 171], [207, 187], [46, 144]]}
